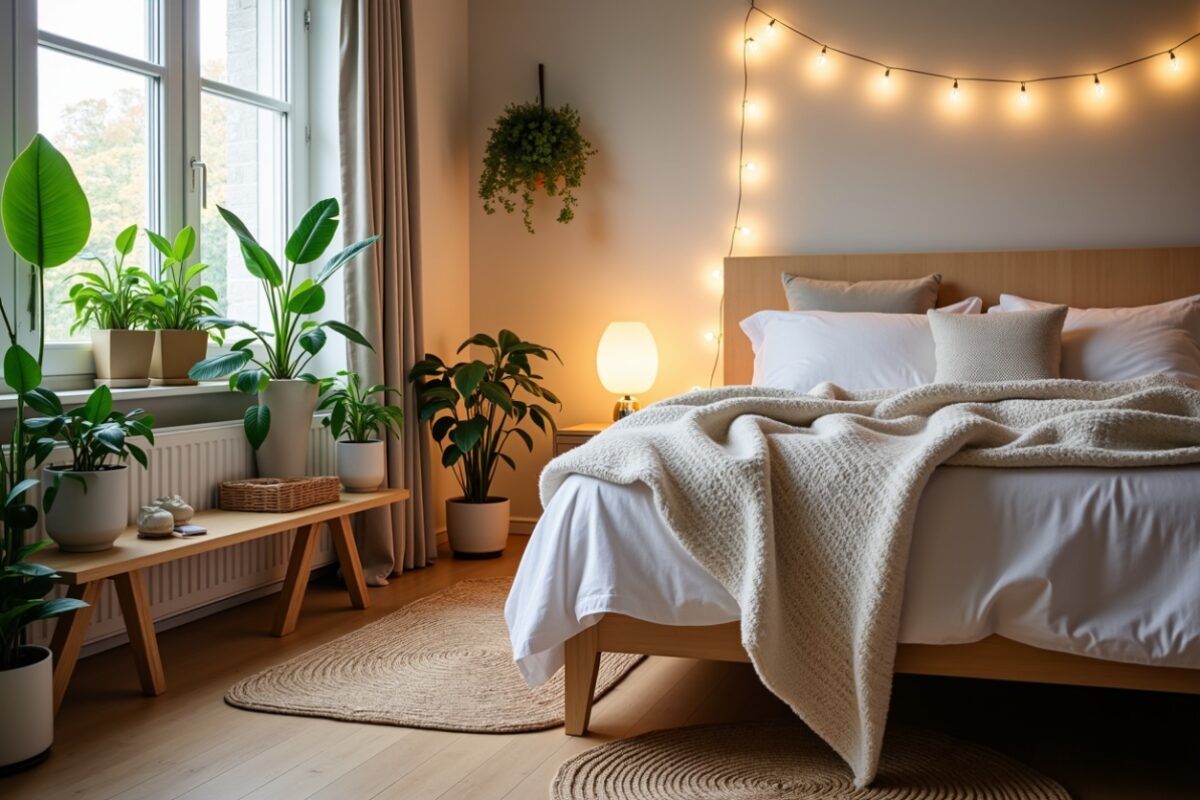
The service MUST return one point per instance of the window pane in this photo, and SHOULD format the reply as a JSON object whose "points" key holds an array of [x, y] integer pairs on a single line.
{"points": [[96, 115], [243, 147], [119, 25], [241, 44]]}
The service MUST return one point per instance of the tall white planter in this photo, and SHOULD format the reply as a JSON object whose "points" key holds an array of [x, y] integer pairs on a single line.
{"points": [[27, 700], [477, 530], [362, 466], [84, 521], [284, 454]]}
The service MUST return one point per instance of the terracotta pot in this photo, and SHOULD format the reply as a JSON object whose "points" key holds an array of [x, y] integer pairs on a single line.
{"points": [[284, 454], [361, 466], [83, 522], [27, 698], [122, 357], [175, 352], [477, 530]]}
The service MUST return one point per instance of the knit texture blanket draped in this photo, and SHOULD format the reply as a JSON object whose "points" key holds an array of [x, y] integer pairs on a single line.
{"points": [[802, 506]]}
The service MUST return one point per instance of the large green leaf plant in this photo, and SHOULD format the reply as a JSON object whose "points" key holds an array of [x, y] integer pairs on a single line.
{"points": [[295, 336]]}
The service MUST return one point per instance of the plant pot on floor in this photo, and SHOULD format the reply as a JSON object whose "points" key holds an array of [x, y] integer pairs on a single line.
{"points": [[83, 522], [477, 530], [122, 357], [27, 697], [361, 466], [284, 453], [175, 352]]}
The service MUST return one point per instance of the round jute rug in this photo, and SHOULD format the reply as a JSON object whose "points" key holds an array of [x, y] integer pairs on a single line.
{"points": [[443, 662], [786, 761]]}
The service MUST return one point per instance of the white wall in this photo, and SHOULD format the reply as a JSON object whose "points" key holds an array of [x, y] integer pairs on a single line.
{"points": [[659, 88]]}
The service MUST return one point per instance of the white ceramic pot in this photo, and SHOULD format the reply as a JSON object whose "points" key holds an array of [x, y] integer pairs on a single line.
{"points": [[477, 530], [27, 700], [284, 454], [81, 522], [361, 466]]}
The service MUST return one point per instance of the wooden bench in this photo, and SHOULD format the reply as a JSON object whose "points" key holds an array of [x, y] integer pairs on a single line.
{"points": [[126, 562]]}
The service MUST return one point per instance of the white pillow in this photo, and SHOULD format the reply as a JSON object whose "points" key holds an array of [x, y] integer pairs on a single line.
{"points": [[800, 349], [1115, 344]]}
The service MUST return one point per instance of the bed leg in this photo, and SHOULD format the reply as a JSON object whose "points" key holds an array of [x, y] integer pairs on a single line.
{"points": [[582, 666]]}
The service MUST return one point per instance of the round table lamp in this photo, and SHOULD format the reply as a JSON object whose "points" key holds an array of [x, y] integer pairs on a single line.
{"points": [[627, 361]]}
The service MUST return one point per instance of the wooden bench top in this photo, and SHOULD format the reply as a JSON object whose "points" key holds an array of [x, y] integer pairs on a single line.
{"points": [[225, 528]]}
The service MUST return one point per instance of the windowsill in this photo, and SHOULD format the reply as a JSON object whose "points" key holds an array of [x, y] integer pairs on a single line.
{"points": [[74, 397]]}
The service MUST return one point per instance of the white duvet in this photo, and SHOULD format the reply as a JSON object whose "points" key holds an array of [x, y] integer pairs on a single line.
{"points": [[1102, 563]]}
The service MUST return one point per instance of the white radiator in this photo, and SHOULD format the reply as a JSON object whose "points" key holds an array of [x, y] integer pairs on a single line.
{"points": [[191, 461]]}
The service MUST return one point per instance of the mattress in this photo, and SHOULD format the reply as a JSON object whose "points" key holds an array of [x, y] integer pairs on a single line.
{"points": [[1101, 563]]}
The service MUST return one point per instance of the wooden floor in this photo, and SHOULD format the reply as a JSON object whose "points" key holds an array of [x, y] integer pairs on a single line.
{"points": [[114, 743]]}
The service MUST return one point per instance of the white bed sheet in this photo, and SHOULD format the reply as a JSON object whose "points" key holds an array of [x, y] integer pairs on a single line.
{"points": [[1103, 563]]}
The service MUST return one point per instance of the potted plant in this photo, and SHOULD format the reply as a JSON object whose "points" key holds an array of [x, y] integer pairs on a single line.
{"points": [[357, 422], [47, 222], [178, 306], [114, 302], [474, 411], [87, 501], [271, 363], [532, 147]]}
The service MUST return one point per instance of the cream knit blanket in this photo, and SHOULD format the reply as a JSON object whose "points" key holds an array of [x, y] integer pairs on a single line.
{"points": [[803, 506]]}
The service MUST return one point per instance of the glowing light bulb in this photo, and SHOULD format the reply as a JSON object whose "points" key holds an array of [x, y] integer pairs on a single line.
{"points": [[886, 80], [1097, 86], [822, 57], [750, 166], [1175, 63], [743, 230], [771, 29], [954, 92], [1024, 96], [709, 336], [716, 274], [752, 45], [752, 108]]}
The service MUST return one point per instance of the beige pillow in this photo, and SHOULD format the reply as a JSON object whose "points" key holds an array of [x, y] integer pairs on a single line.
{"points": [[1018, 346], [883, 297]]}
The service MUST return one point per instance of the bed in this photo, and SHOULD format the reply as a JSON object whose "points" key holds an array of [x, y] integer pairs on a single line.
{"points": [[1007, 624]]}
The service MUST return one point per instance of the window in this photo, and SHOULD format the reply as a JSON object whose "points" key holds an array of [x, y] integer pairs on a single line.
{"points": [[166, 109]]}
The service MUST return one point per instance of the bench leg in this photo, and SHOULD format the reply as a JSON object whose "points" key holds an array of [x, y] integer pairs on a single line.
{"points": [[69, 631], [581, 668], [296, 581], [139, 622], [347, 553]]}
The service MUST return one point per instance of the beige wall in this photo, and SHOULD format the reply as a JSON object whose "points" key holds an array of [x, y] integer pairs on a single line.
{"points": [[439, 67], [658, 85]]}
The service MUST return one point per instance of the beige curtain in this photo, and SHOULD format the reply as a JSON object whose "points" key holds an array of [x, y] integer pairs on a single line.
{"points": [[383, 288]]}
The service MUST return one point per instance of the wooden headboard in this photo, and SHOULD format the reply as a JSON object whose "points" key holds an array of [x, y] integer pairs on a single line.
{"points": [[1082, 278]]}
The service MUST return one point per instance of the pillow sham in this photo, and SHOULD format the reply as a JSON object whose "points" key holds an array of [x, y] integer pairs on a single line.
{"points": [[799, 350], [1017, 346], [885, 297], [1115, 344]]}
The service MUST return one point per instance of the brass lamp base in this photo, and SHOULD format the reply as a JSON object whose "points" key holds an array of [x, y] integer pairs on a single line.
{"points": [[624, 407]]}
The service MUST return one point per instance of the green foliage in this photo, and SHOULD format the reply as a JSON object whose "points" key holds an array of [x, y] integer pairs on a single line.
{"points": [[474, 407], [47, 220], [353, 414], [179, 302], [95, 433], [532, 147], [116, 297]]}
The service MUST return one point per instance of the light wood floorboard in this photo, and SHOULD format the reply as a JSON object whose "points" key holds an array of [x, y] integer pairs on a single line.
{"points": [[115, 744]]}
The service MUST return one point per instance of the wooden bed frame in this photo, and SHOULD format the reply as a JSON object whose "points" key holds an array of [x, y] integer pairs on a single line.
{"points": [[1081, 278]]}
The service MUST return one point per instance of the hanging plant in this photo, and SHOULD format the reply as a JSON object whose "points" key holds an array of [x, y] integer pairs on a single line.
{"points": [[533, 147]]}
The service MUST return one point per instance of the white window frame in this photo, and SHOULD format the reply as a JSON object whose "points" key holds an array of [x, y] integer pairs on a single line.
{"points": [[174, 197]]}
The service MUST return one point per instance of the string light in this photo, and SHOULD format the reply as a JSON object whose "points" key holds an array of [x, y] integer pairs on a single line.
{"points": [[1024, 96], [771, 30], [954, 92], [822, 57], [743, 230], [752, 44], [1174, 61], [750, 166], [1097, 86], [752, 108], [886, 80], [709, 336]]}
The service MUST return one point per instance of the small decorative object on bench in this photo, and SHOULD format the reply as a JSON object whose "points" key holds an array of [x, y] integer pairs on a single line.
{"points": [[154, 522], [180, 510], [278, 495]]}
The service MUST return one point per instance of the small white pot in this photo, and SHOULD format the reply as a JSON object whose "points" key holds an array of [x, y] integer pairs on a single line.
{"points": [[284, 454], [477, 530], [81, 522], [361, 466], [27, 700]]}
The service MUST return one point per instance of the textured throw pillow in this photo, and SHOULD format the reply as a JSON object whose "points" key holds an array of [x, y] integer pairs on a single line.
{"points": [[1021, 346], [881, 297]]}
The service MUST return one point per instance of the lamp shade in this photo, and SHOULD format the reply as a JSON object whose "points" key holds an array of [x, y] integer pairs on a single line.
{"points": [[627, 358]]}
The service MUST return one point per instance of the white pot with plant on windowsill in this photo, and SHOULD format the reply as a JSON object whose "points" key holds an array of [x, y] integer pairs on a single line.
{"points": [[356, 422], [113, 302], [278, 426], [475, 408], [179, 304]]}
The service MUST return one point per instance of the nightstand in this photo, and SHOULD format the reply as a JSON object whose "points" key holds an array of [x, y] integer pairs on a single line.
{"points": [[568, 438]]}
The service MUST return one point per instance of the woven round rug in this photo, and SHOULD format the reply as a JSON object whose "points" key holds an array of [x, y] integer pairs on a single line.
{"points": [[442, 662], [786, 761]]}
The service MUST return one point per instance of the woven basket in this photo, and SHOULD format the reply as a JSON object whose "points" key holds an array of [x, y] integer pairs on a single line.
{"points": [[278, 494]]}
